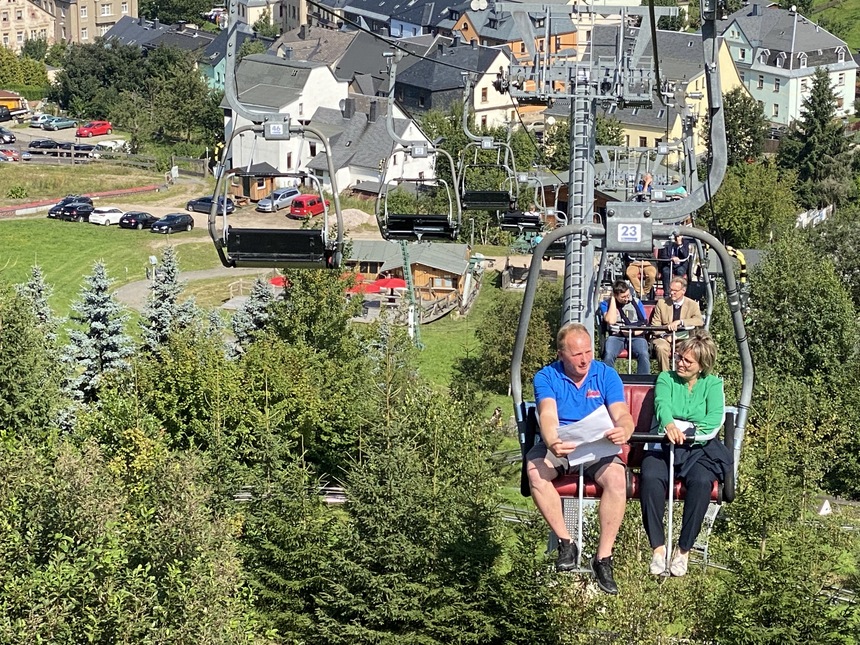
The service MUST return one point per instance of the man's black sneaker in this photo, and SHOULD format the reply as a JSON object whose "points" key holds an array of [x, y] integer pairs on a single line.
{"points": [[603, 573], [568, 556]]}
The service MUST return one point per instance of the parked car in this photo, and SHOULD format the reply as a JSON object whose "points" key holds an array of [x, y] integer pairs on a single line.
{"points": [[106, 215], [80, 149], [59, 123], [7, 136], [76, 212], [9, 154], [39, 119], [110, 146], [25, 155], [94, 129], [203, 204], [307, 206], [42, 146], [278, 199], [137, 219], [173, 222], [66, 201]]}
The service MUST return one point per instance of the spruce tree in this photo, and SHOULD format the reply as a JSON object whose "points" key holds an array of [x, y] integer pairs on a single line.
{"points": [[253, 315], [817, 149], [163, 313], [29, 388], [37, 291], [98, 346]]}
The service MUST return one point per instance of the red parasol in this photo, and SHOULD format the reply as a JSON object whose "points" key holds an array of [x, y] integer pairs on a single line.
{"points": [[390, 283], [278, 281]]}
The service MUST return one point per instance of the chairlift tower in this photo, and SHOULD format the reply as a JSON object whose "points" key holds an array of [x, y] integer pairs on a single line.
{"points": [[591, 81]]}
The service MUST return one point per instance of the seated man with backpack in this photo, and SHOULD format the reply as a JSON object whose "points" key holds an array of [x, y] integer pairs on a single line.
{"points": [[623, 308]]}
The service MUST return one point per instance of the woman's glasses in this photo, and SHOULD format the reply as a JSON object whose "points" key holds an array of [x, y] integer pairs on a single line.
{"points": [[683, 359]]}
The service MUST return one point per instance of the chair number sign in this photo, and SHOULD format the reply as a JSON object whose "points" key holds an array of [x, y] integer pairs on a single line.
{"points": [[630, 233]]}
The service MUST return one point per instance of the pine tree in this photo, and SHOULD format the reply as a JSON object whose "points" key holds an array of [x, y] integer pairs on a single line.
{"points": [[38, 292], [98, 347], [253, 315], [163, 313]]}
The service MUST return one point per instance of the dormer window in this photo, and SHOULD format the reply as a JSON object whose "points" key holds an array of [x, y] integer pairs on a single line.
{"points": [[492, 23], [780, 60], [762, 58], [801, 60], [840, 55]]}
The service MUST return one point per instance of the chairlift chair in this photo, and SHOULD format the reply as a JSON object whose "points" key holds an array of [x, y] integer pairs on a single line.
{"points": [[492, 199], [419, 223]]}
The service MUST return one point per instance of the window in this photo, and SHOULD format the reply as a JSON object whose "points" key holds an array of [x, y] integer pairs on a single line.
{"points": [[443, 283], [763, 58], [840, 80], [420, 100], [801, 59], [289, 160], [743, 79], [301, 109], [776, 85], [522, 48], [5, 40], [103, 29], [83, 11], [643, 142], [743, 54], [776, 109], [760, 82], [84, 34], [484, 121], [483, 95], [107, 10], [20, 38], [540, 44], [312, 148], [19, 14], [840, 56], [123, 8], [5, 16]]}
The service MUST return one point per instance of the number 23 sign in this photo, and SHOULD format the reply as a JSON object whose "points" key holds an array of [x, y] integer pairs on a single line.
{"points": [[630, 233]]}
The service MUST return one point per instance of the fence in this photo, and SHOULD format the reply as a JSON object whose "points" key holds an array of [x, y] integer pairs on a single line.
{"points": [[189, 166], [813, 216]]}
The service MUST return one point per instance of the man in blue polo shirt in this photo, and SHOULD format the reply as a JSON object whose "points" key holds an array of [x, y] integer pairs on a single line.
{"points": [[567, 391]]}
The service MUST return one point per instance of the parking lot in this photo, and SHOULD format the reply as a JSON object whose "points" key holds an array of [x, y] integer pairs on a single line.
{"points": [[25, 135]]}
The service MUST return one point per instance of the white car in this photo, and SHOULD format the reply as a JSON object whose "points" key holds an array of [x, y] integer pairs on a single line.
{"points": [[39, 120], [110, 146], [106, 215]]}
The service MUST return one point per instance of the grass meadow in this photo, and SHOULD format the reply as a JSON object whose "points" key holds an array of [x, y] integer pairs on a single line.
{"points": [[46, 181]]}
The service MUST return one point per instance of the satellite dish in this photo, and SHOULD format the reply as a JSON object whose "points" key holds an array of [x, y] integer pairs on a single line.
{"points": [[550, 120], [474, 5], [478, 5]]}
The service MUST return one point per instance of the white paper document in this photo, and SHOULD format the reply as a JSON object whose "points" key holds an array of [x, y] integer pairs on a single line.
{"points": [[589, 436]]}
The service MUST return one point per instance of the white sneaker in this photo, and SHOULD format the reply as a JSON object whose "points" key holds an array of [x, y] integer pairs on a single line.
{"points": [[678, 567], [658, 564]]}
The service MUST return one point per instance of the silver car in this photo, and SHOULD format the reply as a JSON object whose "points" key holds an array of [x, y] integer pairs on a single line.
{"points": [[280, 198]]}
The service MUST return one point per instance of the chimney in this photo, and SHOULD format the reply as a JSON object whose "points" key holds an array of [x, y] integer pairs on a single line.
{"points": [[303, 33], [441, 47], [180, 26], [384, 32], [142, 21], [348, 109], [455, 42], [373, 112], [288, 53], [156, 24], [754, 10], [474, 43]]}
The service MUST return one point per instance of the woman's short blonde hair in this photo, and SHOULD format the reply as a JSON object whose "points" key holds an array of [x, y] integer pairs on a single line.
{"points": [[703, 347]]}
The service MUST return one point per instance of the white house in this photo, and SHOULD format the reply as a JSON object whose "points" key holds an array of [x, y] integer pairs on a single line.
{"points": [[777, 52]]}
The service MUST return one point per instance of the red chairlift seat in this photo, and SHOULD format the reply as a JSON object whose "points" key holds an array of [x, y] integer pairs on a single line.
{"points": [[639, 395]]}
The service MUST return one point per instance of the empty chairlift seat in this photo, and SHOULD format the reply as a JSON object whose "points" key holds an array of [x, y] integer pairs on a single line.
{"points": [[287, 248], [413, 226], [493, 200]]}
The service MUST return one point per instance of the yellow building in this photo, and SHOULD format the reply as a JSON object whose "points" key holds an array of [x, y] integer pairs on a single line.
{"points": [[22, 20]]}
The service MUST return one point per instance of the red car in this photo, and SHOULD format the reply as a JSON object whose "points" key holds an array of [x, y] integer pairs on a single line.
{"points": [[307, 206], [94, 129], [10, 154]]}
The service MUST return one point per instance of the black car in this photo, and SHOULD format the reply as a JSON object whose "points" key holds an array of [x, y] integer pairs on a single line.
{"points": [[81, 149], [76, 212], [138, 220], [65, 201], [7, 136], [173, 222], [203, 204], [42, 146]]}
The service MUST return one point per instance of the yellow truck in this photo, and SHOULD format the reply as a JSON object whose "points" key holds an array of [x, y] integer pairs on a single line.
{"points": [[13, 106]]}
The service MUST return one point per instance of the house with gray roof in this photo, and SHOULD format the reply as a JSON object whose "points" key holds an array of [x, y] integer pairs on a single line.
{"points": [[135, 31], [777, 52], [361, 144], [310, 93], [437, 82]]}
